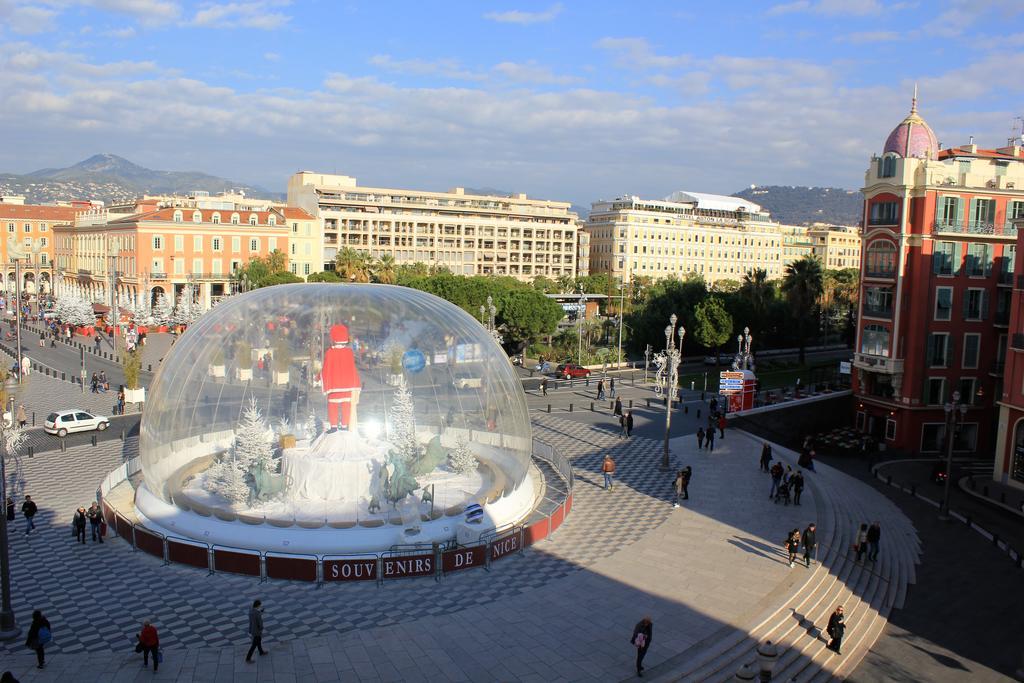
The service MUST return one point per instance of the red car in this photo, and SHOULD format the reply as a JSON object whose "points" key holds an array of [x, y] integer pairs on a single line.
{"points": [[571, 370]]}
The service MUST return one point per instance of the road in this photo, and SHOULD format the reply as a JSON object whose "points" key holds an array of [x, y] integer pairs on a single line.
{"points": [[39, 441]]}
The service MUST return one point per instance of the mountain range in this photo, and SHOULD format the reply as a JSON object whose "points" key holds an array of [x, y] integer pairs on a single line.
{"points": [[795, 205], [111, 178]]}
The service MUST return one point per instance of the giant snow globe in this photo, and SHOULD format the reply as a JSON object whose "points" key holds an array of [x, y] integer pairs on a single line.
{"points": [[325, 418]]}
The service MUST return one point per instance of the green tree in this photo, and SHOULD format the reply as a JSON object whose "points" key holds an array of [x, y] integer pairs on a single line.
{"points": [[545, 284], [261, 271], [352, 265], [803, 285], [758, 292], [324, 276], [525, 315], [726, 286], [382, 270], [712, 324]]}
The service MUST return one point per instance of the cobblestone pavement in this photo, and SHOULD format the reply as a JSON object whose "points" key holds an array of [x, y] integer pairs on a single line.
{"points": [[563, 610]]}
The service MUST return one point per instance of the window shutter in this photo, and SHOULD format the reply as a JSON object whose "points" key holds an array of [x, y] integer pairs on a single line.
{"points": [[950, 346], [967, 304], [984, 304], [972, 215], [930, 346], [989, 251], [959, 210], [958, 258], [936, 259]]}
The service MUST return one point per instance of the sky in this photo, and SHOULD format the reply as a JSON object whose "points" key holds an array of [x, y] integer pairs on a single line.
{"points": [[576, 101]]}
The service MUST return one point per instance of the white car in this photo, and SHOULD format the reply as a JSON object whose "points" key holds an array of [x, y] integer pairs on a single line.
{"points": [[65, 422]]}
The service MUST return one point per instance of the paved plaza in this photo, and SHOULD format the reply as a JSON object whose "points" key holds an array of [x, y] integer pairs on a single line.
{"points": [[562, 610]]}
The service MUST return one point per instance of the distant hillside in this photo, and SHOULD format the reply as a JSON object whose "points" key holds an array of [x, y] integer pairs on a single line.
{"points": [[806, 205], [111, 178]]}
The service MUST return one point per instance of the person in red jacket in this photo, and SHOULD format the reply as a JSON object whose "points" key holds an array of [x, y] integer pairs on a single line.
{"points": [[149, 642], [340, 380]]}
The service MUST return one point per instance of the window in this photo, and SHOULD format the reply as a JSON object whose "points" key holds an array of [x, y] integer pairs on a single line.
{"points": [[932, 437], [966, 388], [982, 215], [874, 340], [975, 304], [216, 266], [271, 220], [943, 303], [884, 213], [254, 244], [179, 266], [197, 266], [878, 302], [158, 242], [950, 212], [10, 227], [43, 241], [252, 219], [890, 430], [979, 260], [294, 269], [295, 228], [236, 245], [887, 166], [946, 258], [938, 350], [177, 216], [216, 242], [1014, 210], [179, 243], [234, 219], [305, 269], [27, 227], [197, 243], [934, 391], [271, 244], [215, 219], [197, 216], [972, 345], [42, 227]]}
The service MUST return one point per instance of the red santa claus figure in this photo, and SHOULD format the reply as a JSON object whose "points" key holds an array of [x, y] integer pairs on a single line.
{"points": [[340, 380]]}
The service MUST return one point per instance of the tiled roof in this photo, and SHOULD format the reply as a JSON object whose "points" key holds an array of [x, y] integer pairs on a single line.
{"points": [[37, 212], [296, 212]]}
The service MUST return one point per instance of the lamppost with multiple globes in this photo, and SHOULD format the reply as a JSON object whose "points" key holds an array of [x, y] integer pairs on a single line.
{"points": [[11, 437], [581, 314], [955, 413], [673, 355]]}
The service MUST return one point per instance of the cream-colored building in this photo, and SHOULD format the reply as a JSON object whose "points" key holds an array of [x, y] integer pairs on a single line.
{"points": [[469, 234], [717, 237], [796, 244], [305, 241], [836, 246]]}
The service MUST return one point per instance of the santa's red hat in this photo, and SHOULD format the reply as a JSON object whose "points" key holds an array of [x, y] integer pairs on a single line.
{"points": [[339, 334]]}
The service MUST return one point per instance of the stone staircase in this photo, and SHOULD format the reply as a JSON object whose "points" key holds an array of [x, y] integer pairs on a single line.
{"points": [[796, 619]]}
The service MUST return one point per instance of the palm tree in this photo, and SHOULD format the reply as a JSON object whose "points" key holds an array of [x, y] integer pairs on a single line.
{"points": [[352, 265], [803, 286], [384, 270]]}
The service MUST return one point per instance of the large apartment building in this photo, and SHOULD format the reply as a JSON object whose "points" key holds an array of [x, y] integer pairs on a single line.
{"points": [[937, 277], [836, 246], [718, 237], [467, 233], [30, 228]]}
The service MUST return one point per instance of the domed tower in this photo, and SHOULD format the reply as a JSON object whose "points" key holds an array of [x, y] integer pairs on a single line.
{"points": [[913, 137]]}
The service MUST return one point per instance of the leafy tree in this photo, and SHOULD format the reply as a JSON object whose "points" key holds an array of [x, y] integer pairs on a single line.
{"points": [[545, 285], [284, 278], [662, 299], [712, 324], [411, 271], [525, 315], [324, 276], [803, 285], [726, 286], [260, 271]]}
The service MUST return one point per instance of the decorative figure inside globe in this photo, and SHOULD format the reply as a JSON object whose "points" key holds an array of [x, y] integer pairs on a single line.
{"points": [[347, 436]]}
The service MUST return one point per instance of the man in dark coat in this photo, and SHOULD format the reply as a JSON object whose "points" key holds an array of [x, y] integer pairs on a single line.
{"points": [[796, 483], [766, 456], [29, 509], [874, 536], [810, 542], [643, 633], [629, 423], [836, 629], [256, 629]]}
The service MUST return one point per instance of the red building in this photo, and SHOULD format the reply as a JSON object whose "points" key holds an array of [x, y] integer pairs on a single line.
{"points": [[1009, 457], [937, 273]]}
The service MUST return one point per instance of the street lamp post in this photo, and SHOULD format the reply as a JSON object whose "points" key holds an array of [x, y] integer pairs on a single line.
{"points": [[955, 412], [622, 298], [113, 251], [8, 626], [673, 354], [581, 314], [647, 361]]}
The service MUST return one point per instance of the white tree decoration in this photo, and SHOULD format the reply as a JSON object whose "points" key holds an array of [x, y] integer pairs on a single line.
{"points": [[186, 311], [403, 422], [227, 478], [162, 310], [252, 445], [462, 460], [75, 310]]}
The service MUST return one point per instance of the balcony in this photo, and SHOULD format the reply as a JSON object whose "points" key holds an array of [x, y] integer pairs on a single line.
{"points": [[888, 366], [884, 220], [158, 276], [877, 312], [1004, 277], [84, 271], [975, 228], [884, 274]]}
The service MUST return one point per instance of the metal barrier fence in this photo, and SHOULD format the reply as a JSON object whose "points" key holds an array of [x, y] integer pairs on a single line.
{"points": [[399, 562]]}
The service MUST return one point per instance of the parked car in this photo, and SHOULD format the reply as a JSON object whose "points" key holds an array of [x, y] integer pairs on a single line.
{"points": [[723, 359], [467, 382], [65, 422], [571, 370]]}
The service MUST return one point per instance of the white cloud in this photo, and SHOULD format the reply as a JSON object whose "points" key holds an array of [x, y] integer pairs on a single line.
{"points": [[272, 56], [526, 18], [27, 19], [122, 33], [831, 7], [446, 68], [147, 12], [863, 37], [262, 14], [531, 72], [638, 53]]}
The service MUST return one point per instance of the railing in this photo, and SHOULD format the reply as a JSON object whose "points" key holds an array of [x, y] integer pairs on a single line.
{"points": [[976, 228], [878, 312], [884, 220], [158, 276], [874, 363], [1004, 277], [888, 274], [84, 271]]}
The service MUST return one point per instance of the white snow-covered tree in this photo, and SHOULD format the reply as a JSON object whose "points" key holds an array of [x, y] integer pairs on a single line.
{"points": [[162, 310], [226, 477], [252, 442], [75, 310], [461, 459], [186, 311], [403, 422]]}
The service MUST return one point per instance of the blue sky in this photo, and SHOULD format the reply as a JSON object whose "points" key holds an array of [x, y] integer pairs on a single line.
{"points": [[567, 100]]}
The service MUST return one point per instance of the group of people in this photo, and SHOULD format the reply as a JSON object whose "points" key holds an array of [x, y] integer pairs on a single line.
{"points": [[786, 484], [600, 388], [625, 419], [99, 383], [807, 538], [93, 518], [867, 541]]}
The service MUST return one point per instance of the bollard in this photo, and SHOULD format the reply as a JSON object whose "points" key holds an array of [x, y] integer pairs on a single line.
{"points": [[549, 407], [570, 407], [591, 406], [611, 405], [33, 418], [63, 377], [150, 366], [648, 403], [31, 451], [122, 435], [93, 439], [631, 404], [63, 445]]}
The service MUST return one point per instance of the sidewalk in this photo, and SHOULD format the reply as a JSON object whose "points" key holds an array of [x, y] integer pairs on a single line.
{"points": [[991, 492]]}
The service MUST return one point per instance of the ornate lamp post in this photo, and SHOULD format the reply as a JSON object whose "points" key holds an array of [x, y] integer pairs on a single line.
{"points": [[955, 412], [673, 354], [487, 314], [10, 438], [581, 314]]}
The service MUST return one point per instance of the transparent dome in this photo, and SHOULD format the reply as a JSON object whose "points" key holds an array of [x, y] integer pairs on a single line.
{"points": [[334, 404]]}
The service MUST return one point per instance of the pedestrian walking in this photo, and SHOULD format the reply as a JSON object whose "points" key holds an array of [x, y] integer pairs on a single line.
{"points": [[96, 342], [721, 425], [709, 438], [874, 535], [95, 516], [544, 387], [42, 339], [29, 509], [22, 416], [608, 469], [766, 456], [836, 630], [776, 473], [39, 636], [26, 366], [611, 387], [94, 383], [860, 545], [682, 485], [104, 384], [617, 410], [792, 545], [797, 483], [700, 438], [629, 423], [600, 390], [643, 634], [810, 543], [622, 426], [78, 524], [256, 629], [120, 401], [9, 509], [149, 644]]}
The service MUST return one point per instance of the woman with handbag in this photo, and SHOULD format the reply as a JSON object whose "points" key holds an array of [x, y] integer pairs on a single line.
{"points": [[39, 636], [149, 642], [643, 633]]}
